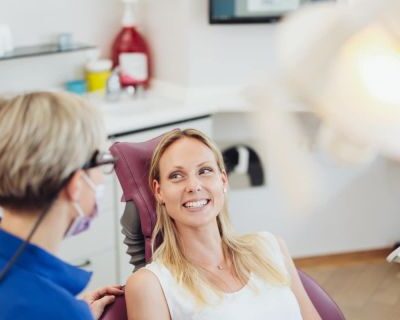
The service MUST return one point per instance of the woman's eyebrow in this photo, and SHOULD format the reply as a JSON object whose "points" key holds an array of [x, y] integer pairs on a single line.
{"points": [[203, 163], [174, 170], [179, 167]]}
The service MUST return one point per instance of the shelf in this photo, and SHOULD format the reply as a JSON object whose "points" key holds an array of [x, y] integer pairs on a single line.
{"points": [[44, 49]]}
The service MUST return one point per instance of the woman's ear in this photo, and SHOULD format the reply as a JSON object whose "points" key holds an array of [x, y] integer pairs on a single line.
{"points": [[224, 178], [157, 191], [73, 188]]}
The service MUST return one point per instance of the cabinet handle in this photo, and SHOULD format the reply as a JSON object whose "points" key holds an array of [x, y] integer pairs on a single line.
{"points": [[84, 264]]}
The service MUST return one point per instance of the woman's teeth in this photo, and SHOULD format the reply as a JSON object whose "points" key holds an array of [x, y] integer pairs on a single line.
{"points": [[196, 204]]}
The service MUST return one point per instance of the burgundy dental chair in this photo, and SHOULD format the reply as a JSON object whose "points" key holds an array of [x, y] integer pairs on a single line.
{"points": [[132, 168]]}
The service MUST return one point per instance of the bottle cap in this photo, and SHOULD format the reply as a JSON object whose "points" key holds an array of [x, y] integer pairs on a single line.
{"points": [[99, 65], [128, 19]]}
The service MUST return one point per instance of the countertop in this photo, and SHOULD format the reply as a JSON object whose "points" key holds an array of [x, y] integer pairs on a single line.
{"points": [[138, 114]]}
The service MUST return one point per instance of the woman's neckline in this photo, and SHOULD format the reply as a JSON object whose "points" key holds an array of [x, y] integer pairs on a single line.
{"points": [[224, 293], [238, 291]]}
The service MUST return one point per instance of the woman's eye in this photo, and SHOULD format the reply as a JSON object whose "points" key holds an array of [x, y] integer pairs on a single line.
{"points": [[175, 176], [206, 170]]}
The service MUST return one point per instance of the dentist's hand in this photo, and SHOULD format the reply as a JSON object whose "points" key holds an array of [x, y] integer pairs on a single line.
{"points": [[100, 298]]}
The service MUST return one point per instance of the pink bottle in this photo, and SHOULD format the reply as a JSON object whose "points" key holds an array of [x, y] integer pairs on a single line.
{"points": [[130, 52]]}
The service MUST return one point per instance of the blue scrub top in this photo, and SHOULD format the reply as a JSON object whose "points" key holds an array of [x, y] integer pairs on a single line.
{"points": [[39, 285]]}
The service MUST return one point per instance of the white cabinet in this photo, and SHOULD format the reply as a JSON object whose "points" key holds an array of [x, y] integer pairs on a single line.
{"points": [[95, 249], [99, 237], [103, 267]]}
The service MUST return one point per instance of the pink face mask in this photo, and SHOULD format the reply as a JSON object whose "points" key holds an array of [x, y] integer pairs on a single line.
{"points": [[82, 222]]}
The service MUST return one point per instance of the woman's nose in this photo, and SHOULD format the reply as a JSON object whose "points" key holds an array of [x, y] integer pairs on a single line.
{"points": [[193, 185]]}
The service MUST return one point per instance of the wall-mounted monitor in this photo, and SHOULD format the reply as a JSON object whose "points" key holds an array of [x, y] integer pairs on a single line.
{"points": [[252, 11]]}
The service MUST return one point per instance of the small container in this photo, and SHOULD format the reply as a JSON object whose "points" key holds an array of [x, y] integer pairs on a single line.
{"points": [[113, 86], [6, 42], [65, 41], [76, 86], [97, 74]]}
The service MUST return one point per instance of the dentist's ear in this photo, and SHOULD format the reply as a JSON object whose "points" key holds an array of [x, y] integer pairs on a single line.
{"points": [[72, 190]]}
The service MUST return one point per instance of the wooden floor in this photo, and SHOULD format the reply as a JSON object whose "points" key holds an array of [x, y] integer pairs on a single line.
{"points": [[364, 289]]}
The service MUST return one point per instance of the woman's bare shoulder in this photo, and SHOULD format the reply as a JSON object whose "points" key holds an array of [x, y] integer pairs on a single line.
{"points": [[143, 283], [143, 290], [142, 277]]}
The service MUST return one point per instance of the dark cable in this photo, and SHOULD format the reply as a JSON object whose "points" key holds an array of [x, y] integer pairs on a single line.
{"points": [[23, 245]]}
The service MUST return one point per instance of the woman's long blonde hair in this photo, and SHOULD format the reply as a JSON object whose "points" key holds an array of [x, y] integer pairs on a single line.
{"points": [[248, 252]]}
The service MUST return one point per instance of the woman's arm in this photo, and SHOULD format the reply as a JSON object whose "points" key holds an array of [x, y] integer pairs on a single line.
{"points": [[145, 298], [308, 310]]}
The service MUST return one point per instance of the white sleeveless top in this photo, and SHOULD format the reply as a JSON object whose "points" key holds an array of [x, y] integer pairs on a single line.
{"points": [[268, 302]]}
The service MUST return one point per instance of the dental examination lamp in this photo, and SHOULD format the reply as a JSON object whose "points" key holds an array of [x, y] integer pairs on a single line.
{"points": [[340, 62]]}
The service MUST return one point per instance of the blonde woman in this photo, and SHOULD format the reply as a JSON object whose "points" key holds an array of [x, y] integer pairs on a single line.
{"points": [[202, 269], [50, 181]]}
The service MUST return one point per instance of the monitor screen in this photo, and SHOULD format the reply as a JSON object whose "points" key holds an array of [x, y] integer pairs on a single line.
{"points": [[251, 11]]}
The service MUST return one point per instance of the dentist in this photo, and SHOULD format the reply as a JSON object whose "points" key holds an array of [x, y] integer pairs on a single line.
{"points": [[50, 182]]}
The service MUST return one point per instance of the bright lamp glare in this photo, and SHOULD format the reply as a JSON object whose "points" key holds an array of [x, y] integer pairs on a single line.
{"points": [[381, 76], [378, 66]]}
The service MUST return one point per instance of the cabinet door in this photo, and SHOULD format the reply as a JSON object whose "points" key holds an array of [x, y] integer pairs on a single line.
{"points": [[204, 125]]}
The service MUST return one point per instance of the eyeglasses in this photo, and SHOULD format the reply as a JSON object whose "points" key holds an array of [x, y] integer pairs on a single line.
{"points": [[101, 159]]}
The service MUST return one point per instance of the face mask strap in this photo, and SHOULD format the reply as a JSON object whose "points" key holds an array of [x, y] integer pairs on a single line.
{"points": [[89, 181], [78, 209], [82, 221]]}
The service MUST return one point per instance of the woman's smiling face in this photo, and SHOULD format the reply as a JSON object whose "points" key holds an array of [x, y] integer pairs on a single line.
{"points": [[191, 184]]}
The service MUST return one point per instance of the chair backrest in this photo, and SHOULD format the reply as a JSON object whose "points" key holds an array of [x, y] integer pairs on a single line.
{"points": [[132, 169], [116, 311], [326, 307]]}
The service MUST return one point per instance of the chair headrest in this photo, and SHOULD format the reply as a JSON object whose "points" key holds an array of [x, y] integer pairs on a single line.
{"points": [[132, 169]]}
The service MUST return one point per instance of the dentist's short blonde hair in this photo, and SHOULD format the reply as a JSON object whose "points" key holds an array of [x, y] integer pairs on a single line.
{"points": [[44, 138]]}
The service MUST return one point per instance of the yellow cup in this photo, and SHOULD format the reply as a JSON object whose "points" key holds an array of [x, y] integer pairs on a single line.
{"points": [[97, 74], [97, 80]]}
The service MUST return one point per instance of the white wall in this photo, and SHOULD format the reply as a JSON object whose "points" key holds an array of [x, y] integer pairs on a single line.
{"points": [[42, 72], [361, 211], [93, 22], [90, 21], [166, 28], [190, 53], [227, 55]]}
